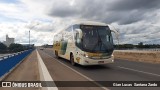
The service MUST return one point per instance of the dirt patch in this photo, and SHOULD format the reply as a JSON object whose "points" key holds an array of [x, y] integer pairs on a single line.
{"points": [[142, 56]]}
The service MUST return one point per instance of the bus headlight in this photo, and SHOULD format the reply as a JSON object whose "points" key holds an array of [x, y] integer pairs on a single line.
{"points": [[86, 56]]}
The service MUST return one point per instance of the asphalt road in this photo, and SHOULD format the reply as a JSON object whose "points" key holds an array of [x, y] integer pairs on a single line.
{"points": [[120, 70]]}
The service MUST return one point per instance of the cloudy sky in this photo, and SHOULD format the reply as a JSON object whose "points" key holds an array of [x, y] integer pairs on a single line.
{"points": [[136, 20]]}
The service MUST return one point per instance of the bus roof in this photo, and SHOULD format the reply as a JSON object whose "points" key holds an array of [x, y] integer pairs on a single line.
{"points": [[84, 23], [90, 23]]}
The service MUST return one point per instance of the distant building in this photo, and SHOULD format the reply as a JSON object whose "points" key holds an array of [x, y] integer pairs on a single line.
{"points": [[141, 43], [8, 41]]}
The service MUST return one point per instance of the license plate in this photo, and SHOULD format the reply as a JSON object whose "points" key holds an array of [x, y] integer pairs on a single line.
{"points": [[100, 62]]}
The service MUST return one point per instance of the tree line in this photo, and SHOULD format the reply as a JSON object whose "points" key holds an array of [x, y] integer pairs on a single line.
{"points": [[14, 47], [139, 46]]}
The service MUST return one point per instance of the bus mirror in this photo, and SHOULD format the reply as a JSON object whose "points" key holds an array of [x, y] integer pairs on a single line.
{"points": [[79, 31], [114, 30], [116, 33]]}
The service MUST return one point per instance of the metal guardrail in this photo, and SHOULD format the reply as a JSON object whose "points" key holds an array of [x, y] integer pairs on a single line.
{"points": [[8, 62], [2, 57]]}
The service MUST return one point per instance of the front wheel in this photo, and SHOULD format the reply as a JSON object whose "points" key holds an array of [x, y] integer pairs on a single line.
{"points": [[72, 59]]}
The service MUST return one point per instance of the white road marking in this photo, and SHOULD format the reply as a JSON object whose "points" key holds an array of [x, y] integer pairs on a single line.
{"points": [[139, 71], [80, 73], [44, 74]]}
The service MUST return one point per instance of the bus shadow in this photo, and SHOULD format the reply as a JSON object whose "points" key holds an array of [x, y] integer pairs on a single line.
{"points": [[93, 67]]}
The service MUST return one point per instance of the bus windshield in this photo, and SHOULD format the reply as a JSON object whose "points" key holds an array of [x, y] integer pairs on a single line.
{"points": [[96, 38]]}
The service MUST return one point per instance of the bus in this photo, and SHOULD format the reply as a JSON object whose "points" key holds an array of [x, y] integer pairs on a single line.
{"points": [[85, 43]]}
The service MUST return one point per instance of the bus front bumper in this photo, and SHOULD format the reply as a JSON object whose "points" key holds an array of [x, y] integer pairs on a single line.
{"points": [[89, 61]]}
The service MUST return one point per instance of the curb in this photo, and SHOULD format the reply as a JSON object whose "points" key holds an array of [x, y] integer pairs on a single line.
{"points": [[44, 74]]}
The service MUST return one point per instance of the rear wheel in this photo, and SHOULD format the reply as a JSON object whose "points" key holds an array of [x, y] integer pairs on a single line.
{"points": [[72, 59], [56, 53]]}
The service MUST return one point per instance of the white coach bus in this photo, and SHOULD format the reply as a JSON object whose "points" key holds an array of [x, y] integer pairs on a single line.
{"points": [[85, 43]]}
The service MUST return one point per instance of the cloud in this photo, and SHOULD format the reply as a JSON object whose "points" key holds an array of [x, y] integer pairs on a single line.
{"points": [[136, 20], [139, 32], [127, 5], [121, 11], [41, 34]]}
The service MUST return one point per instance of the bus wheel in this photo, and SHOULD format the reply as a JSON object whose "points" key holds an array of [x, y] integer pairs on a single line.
{"points": [[72, 59], [56, 53]]}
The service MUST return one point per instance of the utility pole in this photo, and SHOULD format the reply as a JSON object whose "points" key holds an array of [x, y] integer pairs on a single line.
{"points": [[29, 33]]}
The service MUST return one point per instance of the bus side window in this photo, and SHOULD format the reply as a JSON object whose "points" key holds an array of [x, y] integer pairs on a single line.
{"points": [[76, 37], [69, 29], [107, 38], [76, 27]]}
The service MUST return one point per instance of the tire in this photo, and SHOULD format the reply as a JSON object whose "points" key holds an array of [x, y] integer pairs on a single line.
{"points": [[56, 53], [72, 60]]}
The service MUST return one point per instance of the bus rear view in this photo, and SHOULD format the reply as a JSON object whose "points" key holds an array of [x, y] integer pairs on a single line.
{"points": [[91, 44]]}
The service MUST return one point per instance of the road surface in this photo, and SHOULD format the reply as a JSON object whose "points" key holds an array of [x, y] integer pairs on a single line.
{"points": [[121, 70]]}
